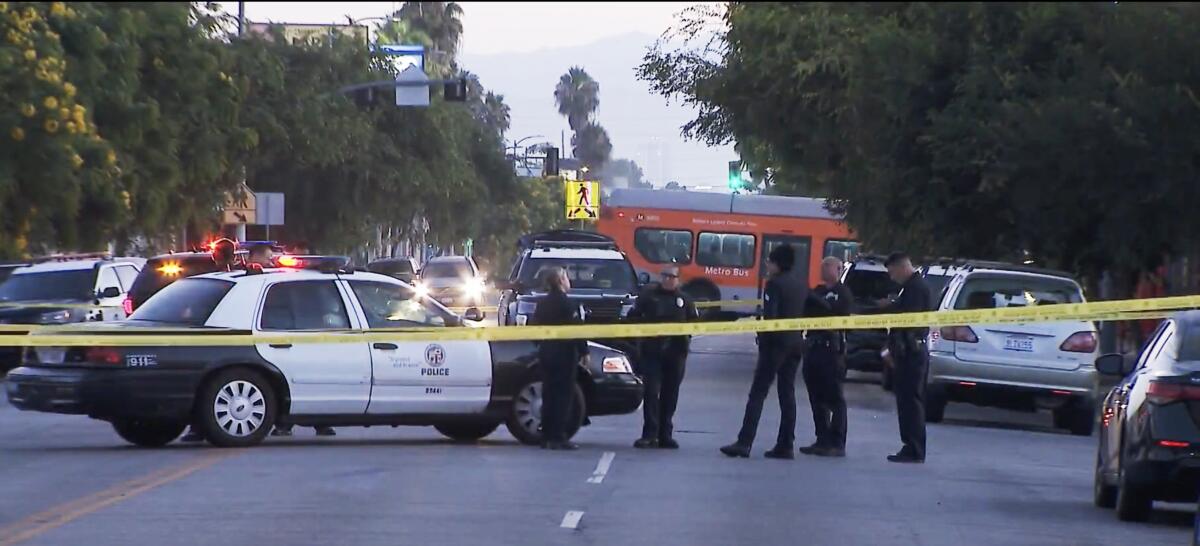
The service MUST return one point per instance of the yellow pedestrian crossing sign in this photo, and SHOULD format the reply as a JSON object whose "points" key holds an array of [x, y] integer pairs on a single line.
{"points": [[583, 200]]}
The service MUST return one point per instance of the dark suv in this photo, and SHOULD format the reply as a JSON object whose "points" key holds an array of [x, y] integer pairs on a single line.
{"points": [[868, 281], [602, 279]]}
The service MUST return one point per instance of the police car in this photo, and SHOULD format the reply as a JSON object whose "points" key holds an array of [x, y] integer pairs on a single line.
{"points": [[234, 394], [63, 289]]}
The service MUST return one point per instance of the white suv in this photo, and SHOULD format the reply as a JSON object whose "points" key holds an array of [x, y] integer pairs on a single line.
{"points": [[1045, 365]]}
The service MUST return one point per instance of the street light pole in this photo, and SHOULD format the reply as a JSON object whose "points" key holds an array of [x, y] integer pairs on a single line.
{"points": [[241, 18]]}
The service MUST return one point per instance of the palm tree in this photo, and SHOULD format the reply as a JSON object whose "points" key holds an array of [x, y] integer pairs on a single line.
{"points": [[441, 21], [577, 96], [400, 31], [496, 113]]}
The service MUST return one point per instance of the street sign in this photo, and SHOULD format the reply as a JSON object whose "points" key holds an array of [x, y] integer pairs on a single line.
{"points": [[240, 207], [269, 209], [583, 200], [412, 95]]}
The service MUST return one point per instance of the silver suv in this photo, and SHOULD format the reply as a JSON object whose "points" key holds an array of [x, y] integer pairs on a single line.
{"points": [[1045, 365]]}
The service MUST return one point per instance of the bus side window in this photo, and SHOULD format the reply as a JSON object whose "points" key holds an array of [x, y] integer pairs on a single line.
{"points": [[663, 246], [841, 249], [726, 250]]}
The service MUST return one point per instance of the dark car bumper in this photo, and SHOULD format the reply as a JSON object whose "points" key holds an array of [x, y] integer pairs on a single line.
{"points": [[103, 394], [1167, 474], [615, 394]]}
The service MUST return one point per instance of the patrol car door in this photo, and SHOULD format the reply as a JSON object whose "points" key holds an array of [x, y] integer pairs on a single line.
{"points": [[110, 297], [420, 376], [324, 378]]}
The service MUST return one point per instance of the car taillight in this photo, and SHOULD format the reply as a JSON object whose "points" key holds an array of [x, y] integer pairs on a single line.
{"points": [[1161, 392], [1080, 342], [102, 355], [959, 333], [127, 305]]}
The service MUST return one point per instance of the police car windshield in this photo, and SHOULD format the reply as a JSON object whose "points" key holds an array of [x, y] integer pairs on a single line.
{"points": [[608, 275], [48, 285], [188, 302]]}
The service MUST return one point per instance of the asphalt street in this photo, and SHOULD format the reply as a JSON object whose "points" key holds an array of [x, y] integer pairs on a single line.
{"points": [[992, 477]]}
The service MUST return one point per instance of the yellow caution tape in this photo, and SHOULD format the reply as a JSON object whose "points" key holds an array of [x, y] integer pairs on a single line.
{"points": [[1097, 311]]}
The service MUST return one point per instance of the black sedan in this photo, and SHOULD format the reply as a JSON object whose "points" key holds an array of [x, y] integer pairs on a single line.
{"points": [[1150, 427]]}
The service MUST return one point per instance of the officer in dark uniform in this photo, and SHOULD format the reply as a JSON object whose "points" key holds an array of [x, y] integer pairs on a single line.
{"points": [[784, 296], [224, 255], [559, 359], [662, 358], [910, 356], [825, 364]]}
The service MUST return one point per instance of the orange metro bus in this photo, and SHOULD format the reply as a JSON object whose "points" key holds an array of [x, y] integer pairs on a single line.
{"points": [[720, 241]]}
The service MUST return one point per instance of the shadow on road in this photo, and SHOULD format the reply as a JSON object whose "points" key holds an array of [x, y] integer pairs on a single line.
{"points": [[999, 425]]}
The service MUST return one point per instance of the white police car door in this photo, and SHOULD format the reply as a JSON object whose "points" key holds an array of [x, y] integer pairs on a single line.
{"points": [[427, 376], [324, 378]]}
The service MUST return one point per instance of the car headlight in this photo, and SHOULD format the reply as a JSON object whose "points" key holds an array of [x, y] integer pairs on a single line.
{"points": [[55, 317], [617, 364], [473, 288], [420, 290], [526, 307]]}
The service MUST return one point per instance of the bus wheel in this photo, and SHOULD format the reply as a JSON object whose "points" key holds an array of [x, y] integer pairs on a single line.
{"points": [[702, 291]]}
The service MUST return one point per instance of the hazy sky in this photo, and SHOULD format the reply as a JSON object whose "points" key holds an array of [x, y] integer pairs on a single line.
{"points": [[520, 48], [496, 27]]}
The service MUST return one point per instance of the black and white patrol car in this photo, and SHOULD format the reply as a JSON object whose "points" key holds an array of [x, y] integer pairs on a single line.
{"points": [[234, 394]]}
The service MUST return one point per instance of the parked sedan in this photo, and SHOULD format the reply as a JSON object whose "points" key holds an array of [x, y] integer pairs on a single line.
{"points": [[1150, 428]]}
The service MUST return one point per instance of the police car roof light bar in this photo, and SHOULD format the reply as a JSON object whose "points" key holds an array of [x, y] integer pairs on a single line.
{"points": [[73, 257]]}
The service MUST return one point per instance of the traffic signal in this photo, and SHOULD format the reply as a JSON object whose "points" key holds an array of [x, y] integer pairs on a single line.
{"points": [[735, 180], [550, 168], [456, 90]]}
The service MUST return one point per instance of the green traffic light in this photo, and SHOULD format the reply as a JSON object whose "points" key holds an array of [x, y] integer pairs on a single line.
{"points": [[735, 175]]}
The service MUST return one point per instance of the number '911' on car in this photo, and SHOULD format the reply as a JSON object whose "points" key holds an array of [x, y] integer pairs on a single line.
{"points": [[234, 394]]}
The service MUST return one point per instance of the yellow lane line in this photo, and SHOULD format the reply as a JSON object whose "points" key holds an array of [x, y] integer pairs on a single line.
{"points": [[53, 518]]}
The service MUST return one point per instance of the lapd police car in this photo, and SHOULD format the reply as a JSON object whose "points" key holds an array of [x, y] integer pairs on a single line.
{"points": [[64, 289], [234, 394]]}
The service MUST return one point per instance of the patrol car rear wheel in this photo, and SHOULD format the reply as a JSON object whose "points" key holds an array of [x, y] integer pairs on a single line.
{"points": [[148, 433], [525, 418], [236, 408], [467, 432]]}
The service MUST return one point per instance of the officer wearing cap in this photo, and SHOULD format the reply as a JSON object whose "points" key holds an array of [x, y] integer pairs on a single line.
{"points": [[784, 297], [662, 359], [910, 356], [825, 364]]}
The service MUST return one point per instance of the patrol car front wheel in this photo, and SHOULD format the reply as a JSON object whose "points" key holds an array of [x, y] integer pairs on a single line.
{"points": [[236, 408], [525, 418], [144, 433]]}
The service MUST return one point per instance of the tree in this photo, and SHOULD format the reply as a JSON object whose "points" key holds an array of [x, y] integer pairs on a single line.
{"points": [[577, 96], [627, 170], [1064, 130], [592, 146], [441, 22], [58, 176], [496, 114]]}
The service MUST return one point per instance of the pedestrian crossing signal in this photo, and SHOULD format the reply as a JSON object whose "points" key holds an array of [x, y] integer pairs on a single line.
{"points": [[583, 200]]}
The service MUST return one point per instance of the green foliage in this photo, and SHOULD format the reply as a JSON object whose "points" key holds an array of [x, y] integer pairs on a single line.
{"points": [[976, 129]]}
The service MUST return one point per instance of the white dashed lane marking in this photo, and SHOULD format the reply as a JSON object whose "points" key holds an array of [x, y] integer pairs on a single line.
{"points": [[571, 520], [602, 467]]}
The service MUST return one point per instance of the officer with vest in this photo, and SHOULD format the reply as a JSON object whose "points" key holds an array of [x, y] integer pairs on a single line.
{"points": [[662, 359], [825, 363], [910, 356]]}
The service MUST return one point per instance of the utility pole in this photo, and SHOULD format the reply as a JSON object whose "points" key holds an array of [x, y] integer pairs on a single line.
{"points": [[241, 18]]}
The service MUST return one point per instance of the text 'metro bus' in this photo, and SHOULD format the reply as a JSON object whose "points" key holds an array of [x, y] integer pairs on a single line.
{"points": [[720, 241]]}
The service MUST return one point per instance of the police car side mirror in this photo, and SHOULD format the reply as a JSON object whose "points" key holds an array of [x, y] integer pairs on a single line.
{"points": [[643, 278], [1112, 364], [474, 314], [110, 292]]}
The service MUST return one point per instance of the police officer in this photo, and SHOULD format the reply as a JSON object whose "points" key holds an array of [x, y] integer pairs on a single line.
{"points": [[224, 253], [910, 356], [559, 360], [779, 355], [662, 358], [825, 363]]}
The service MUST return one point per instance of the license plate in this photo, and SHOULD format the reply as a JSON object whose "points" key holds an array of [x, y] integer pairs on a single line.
{"points": [[51, 355], [1018, 343]]}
